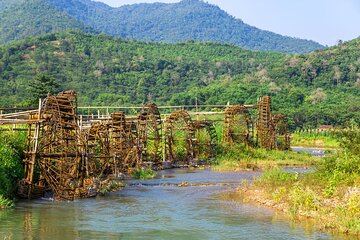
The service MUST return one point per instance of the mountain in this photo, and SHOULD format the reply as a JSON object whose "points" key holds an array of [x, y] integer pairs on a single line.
{"points": [[157, 22], [318, 88], [22, 18]]}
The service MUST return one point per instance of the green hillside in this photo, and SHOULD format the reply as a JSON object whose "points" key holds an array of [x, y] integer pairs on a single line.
{"points": [[186, 20], [157, 22], [23, 18], [312, 89]]}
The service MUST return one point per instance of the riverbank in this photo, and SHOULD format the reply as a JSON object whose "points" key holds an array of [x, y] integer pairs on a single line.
{"points": [[243, 158], [314, 140], [330, 194], [337, 213]]}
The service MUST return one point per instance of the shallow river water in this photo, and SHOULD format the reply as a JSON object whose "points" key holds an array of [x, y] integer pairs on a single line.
{"points": [[156, 209]]}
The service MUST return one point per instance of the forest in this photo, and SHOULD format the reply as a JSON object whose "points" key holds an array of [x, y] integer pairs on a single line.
{"points": [[156, 22], [319, 88]]}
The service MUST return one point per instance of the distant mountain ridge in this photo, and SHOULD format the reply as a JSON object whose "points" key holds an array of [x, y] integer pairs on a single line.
{"points": [[157, 22]]}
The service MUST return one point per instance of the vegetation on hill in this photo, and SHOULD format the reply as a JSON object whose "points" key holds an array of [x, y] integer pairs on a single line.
{"points": [[157, 22], [311, 89], [186, 20], [20, 19]]}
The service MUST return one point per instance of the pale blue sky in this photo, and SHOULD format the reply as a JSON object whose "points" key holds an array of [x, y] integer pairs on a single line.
{"points": [[324, 21]]}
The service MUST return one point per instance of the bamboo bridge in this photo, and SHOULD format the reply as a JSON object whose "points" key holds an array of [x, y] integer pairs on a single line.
{"points": [[69, 148]]}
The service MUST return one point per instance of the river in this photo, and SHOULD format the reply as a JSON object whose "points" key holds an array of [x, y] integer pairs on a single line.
{"points": [[157, 209]]}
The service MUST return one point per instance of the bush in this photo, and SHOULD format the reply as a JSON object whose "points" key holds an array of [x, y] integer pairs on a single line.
{"points": [[144, 174], [277, 177], [303, 198], [12, 146], [5, 203]]}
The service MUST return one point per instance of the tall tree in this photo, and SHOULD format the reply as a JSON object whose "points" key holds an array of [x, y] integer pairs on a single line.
{"points": [[43, 85]]}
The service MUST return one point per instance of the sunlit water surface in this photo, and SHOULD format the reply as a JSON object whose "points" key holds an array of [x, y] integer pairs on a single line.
{"points": [[157, 209]]}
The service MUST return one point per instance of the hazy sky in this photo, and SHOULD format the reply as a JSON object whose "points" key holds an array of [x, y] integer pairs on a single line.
{"points": [[324, 21]]}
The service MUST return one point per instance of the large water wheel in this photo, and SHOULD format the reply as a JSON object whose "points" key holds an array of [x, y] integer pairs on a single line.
{"points": [[238, 127], [122, 142], [100, 160], [150, 133], [206, 139], [265, 129], [59, 149], [179, 137], [281, 132]]}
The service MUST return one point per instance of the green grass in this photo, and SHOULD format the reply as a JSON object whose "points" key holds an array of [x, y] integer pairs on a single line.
{"points": [[240, 157], [314, 140], [330, 195]]}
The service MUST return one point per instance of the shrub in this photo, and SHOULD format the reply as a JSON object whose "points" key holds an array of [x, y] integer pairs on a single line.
{"points": [[5, 203], [144, 174], [277, 177], [303, 198], [12, 146]]}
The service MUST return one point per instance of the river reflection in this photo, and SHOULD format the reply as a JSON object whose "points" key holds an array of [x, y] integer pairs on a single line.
{"points": [[155, 209]]}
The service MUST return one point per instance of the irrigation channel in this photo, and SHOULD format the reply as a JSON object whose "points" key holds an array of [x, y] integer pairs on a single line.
{"points": [[178, 204], [72, 153]]}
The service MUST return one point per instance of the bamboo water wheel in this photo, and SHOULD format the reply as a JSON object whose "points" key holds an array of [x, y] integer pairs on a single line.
{"points": [[100, 161], [238, 127], [206, 139], [123, 139], [150, 134], [59, 149], [265, 129], [179, 137], [281, 132]]}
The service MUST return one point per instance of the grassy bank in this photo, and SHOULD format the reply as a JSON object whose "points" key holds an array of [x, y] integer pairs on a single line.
{"points": [[12, 146], [330, 195], [320, 140], [240, 157]]}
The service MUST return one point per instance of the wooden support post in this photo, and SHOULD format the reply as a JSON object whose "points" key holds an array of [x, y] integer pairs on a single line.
{"points": [[164, 140], [34, 152]]}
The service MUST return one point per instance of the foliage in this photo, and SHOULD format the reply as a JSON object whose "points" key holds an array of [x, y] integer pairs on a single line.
{"points": [[277, 176], [23, 18], [313, 138], [346, 160], [5, 203], [108, 186], [43, 86], [11, 168], [178, 22], [331, 194], [108, 71], [147, 173]]}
